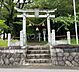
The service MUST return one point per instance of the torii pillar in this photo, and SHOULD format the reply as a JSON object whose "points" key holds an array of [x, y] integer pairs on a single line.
{"points": [[48, 28], [24, 29]]}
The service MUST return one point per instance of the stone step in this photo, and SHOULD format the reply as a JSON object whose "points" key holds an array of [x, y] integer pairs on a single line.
{"points": [[38, 60], [38, 57], [40, 64], [38, 54], [38, 48], [42, 55]]}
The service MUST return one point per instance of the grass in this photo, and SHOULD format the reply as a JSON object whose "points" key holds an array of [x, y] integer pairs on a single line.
{"points": [[37, 43], [4, 43], [73, 41]]}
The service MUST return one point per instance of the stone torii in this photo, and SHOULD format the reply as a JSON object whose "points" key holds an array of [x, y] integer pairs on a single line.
{"points": [[36, 11]]}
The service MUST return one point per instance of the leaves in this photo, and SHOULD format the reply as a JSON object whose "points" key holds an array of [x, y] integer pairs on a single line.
{"points": [[64, 14], [3, 25], [64, 21]]}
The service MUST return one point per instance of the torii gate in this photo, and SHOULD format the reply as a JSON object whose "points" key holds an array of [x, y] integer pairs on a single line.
{"points": [[37, 11]]}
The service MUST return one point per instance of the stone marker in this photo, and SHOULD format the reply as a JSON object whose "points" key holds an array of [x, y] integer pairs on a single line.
{"points": [[2, 35], [53, 37], [68, 37], [21, 38], [9, 38], [5, 35]]}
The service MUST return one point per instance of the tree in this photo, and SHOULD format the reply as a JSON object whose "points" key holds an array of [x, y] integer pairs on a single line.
{"points": [[64, 8], [65, 21], [9, 14]]}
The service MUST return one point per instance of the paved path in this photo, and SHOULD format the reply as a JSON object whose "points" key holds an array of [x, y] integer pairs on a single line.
{"points": [[37, 70]]}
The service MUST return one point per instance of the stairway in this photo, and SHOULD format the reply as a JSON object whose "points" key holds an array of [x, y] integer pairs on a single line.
{"points": [[38, 55]]}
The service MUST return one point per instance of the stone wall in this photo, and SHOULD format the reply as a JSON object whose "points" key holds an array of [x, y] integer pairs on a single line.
{"points": [[62, 55], [12, 56], [65, 55]]}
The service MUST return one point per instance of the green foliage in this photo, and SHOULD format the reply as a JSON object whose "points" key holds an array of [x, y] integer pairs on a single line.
{"points": [[3, 43], [65, 21], [9, 14], [30, 30], [64, 10], [73, 41], [3, 25], [43, 4]]}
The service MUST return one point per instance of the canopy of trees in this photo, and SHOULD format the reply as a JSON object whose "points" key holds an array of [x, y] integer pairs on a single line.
{"points": [[64, 14]]}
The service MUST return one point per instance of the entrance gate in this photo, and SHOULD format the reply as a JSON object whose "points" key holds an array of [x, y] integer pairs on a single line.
{"points": [[36, 11]]}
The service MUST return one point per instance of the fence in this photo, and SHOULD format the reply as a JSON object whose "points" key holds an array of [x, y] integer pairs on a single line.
{"points": [[55, 42]]}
